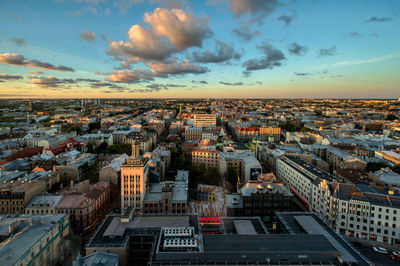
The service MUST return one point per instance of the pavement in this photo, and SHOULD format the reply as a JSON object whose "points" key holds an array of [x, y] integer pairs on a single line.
{"points": [[377, 259]]}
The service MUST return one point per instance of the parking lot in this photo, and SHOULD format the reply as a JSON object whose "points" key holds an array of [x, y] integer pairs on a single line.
{"points": [[376, 258]]}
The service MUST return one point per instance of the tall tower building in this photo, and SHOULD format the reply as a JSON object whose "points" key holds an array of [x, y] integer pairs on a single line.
{"points": [[134, 182], [135, 149]]}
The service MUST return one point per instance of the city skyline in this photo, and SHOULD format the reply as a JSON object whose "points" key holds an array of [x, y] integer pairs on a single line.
{"points": [[199, 49]]}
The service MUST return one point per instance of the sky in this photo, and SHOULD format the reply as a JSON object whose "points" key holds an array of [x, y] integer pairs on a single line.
{"points": [[199, 49]]}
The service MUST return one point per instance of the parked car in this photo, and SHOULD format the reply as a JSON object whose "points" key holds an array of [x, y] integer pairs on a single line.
{"points": [[380, 250], [395, 255]]}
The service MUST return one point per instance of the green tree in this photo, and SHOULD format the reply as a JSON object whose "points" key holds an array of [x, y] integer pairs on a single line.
{"points": [[94, 125], [77, 129], [391, 117], [102, 147], [373, 167], [396, 168], [118, 149], [90, 147]]}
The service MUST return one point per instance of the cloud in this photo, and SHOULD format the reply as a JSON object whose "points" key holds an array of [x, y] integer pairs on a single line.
{"points": [[375, 35], [200, 81], [124, 76], [168, 3], [327, 51], [20, 60], [231, 84], [287, 19], [15, 17], [378, 19], [297, 49], [19, 41], [88, 36], [9, 77], [365, 61], [257, 9], [259, 82], [50, 82], [171, 31], [303, 74], [73, 14], [353, 34], [245, 34], [182, 29], [125, 5], [35, 72], [158, 87], [101, 84], [223, 52], [272, 58], [176, 68]]}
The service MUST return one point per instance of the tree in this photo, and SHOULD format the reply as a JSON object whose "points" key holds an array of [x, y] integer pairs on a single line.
{"points": [[94, 125], [318, 112], [90, 147], [231, 176], [118, 149], [373, 167], [102, 147], [391, 117], [396, 168], [77, 129]]}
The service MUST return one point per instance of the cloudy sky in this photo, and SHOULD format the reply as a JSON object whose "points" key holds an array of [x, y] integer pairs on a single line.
{"points": [[200, 48]]}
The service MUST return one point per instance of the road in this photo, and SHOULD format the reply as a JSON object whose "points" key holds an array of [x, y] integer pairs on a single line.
{"points": [[378, 259]]}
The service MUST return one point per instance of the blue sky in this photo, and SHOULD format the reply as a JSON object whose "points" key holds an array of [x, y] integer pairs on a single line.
{"points": [[172, 48]]}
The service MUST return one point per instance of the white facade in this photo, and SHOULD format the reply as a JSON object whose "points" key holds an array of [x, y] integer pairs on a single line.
{"points": [[134, 183]]}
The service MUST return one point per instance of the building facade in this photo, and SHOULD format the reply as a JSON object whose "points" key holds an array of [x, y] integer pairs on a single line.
{"points": [[134, 182]]}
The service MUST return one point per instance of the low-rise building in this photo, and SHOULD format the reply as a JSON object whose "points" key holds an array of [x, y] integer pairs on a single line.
{"points": [[44, 204], [35, 240]]}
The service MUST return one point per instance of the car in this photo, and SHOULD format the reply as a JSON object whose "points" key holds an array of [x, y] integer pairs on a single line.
{"points": [[380, 250], [395, 255]]}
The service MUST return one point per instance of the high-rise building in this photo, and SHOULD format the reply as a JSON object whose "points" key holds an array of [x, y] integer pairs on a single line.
{"points": [[135, 149], [134, 182]]}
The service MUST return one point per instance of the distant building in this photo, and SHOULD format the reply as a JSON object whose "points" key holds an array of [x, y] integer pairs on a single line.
{"points": [[209, 158], [15, 195], [170, 197], [193, 133], [43, 204], [204, 120]]}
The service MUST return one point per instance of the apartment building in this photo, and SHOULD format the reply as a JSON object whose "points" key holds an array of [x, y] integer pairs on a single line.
{"points": [[134, 182], [86, 208], [205, 120], [300, 175], [352, 212], [193, 133], [210, 158], [170, 197], [43, 240], [15, 195], [43, 204], [390, 156], [244, 162], [340, 159]]}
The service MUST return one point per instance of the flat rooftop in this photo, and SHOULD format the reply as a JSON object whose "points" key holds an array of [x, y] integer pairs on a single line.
{"points": [[298, 223], [305, 168], [267, 243]]}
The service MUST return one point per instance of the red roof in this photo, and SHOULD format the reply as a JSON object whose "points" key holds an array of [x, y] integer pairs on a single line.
{"points": [[62, 147], [28, 152]]}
